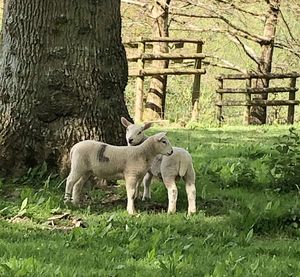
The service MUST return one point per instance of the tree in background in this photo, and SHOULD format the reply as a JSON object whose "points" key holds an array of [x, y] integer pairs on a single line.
{"points": [[234, 26], [254, 30], [156, 97], [63, 74], [155, 14]]}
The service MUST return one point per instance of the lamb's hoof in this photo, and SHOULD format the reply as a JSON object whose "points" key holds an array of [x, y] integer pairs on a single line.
{"points": [[76, 204], [191, 213], [67, 201], [171, 212], [137, 197], [132, 213], [146, 199]]}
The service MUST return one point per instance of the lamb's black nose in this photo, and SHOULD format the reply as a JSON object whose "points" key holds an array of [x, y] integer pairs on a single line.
{"points": [[169, 154], [130, 141]]}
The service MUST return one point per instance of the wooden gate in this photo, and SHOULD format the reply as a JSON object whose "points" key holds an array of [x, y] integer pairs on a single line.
{"points": [[141, 57], [249, 90]]}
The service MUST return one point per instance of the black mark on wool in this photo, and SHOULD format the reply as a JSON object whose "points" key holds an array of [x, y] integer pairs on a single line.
{"points": [[101, 155]]}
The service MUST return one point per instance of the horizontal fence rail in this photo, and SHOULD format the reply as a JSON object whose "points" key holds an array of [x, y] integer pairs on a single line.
{"points": [[262, 103], [163, 56], [258, 76], [167, 71], [256, 90]]}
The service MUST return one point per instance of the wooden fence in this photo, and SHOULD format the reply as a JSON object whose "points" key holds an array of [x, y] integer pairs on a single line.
{"points": [[141, 57], [249, 90]]}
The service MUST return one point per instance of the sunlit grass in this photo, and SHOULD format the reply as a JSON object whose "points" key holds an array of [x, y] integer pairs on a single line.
{"points": [[239, 230]]}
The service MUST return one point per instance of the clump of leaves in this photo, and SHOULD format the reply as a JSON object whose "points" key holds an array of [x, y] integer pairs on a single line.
{"points": [[284, 162], [234, 172], [271, 217]]}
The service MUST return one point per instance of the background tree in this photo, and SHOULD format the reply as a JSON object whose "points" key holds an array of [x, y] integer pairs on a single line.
{"points": [[238, 36], [156, 97], [155, 15], [234, 28], [63, 73]]}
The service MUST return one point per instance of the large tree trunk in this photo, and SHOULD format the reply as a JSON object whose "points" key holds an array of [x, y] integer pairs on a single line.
{"points": [[62, 76], [258, 115], [155, 104]]}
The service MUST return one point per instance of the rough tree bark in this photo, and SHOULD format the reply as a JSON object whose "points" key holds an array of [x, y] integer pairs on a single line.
{"points": [[258, 115], [155, 104], [62, 78]]}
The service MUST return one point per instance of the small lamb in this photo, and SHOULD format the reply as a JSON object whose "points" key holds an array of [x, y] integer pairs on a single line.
{"points": [[113, 162], [178, 165]]}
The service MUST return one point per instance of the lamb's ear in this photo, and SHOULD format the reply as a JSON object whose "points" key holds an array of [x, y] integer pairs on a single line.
{"points": [[125, 122], [147, 125], [161, 135]]}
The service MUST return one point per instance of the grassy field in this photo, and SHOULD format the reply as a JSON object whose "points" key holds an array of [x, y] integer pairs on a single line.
{"points": [[247, 222]]}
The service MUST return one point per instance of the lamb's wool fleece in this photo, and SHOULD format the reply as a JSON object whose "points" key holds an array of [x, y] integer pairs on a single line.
{"points": [[113, 162], [168, 168]]}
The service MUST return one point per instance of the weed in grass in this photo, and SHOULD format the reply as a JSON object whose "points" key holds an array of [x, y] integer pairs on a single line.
{"points": [[284, 162]]}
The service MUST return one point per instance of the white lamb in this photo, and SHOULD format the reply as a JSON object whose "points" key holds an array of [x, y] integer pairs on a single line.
{"points": [[112, 163], [178, 165]]}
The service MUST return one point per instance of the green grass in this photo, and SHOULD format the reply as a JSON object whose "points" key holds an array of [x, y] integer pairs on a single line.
{"points": [[245, 225]]}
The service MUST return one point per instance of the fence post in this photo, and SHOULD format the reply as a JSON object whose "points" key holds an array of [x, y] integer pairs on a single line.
{"points": [[220, 108], [292, 96], [139, 84], [248, 99], [196, 86]]}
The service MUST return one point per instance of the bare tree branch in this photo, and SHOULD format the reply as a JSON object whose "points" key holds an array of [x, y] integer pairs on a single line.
{"points": [[213, 11], [136, 2], [247, 49], [193, 15], [280, 45], [225, 64], [287, 26], [232, 5]]}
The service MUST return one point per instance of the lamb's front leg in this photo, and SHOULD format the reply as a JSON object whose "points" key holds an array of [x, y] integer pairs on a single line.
{"points": [[137, 189], [131, 183]]}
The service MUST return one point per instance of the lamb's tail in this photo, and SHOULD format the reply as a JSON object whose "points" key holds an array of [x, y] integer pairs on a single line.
{"points": [[71, 153], [186, 168], [65, 163]]}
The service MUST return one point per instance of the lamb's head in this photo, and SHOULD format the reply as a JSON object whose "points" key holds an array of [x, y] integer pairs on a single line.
{"points": [[162, 144], [134, 133]]}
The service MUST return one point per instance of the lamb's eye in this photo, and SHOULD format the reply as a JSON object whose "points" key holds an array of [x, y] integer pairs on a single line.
{"points": [[164, 142], [139, 133]]}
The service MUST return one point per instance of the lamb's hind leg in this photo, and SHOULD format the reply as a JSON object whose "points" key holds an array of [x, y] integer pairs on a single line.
{"points": [[131, 184], [77, 189], [72, 179], [147, 182], [190, 190], [172, 193], [137, 190]]}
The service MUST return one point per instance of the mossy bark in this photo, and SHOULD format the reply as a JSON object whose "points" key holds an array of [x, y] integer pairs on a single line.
{"points": [[62, 79], [258, 114], [156, 97]]}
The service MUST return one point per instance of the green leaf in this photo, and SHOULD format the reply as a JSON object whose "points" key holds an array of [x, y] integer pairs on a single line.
{"points": [[5, 267], [24, 204], [133, 235], [106, 230], [249, 236]]}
